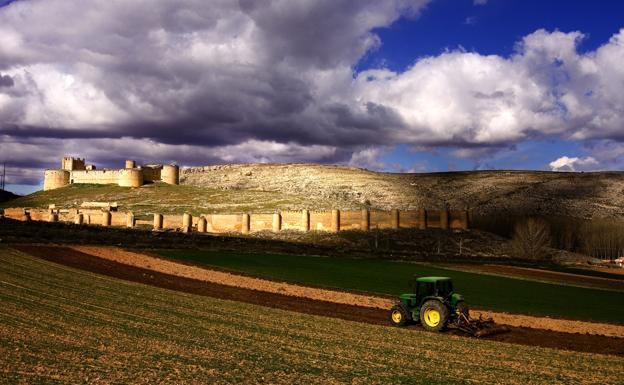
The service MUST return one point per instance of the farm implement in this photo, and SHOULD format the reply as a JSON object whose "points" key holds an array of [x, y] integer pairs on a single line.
{"points": [[436, 307]]}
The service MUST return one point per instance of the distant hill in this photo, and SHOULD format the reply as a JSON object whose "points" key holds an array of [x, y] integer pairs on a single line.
{"points": [[6, 196], [582, 195], [270, 187]]}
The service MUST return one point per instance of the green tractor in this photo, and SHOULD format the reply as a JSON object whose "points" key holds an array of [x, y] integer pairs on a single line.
{"points": [[436, 306]]}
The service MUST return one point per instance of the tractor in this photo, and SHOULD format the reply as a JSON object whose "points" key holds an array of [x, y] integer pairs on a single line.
{"points": [[436, 306]]}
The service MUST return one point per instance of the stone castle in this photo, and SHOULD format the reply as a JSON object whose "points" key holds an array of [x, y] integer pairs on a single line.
{"points": [[74, 170]]}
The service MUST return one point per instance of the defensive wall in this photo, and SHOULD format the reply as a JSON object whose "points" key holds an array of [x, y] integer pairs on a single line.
{"points": [[74, 170], [305, 220]]}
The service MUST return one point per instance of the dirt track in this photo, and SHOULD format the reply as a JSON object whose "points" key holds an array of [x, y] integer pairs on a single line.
{"points": [[525, 336]]}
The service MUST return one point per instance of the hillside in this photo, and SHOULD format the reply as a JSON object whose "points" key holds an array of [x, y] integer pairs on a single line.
{"points": [[582, 195], [270, 187]]}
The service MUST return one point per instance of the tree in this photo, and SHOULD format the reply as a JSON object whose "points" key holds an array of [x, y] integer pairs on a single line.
{"points": [[531, 238]]}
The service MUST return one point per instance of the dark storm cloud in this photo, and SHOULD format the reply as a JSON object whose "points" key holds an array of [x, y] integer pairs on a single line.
{"points": [[196, 72], [6, 81]]}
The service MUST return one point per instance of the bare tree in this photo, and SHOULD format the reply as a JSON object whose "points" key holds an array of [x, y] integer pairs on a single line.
{"points": [[531, 238]]}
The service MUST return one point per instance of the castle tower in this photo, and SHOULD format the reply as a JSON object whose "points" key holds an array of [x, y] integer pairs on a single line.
{"points": [[54, 179], [130, 177], [70, 163], [170, 174]]}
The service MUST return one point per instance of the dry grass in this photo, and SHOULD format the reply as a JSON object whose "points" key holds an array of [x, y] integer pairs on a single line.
{"points": [[67, 326], [160, 197]]}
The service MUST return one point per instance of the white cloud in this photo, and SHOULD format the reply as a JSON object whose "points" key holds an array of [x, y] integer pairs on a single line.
{"points": [[545, 88], [368, 158], [573, 164]]}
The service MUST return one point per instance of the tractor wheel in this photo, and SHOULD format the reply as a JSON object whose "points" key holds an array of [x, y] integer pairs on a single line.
{"points": [[433, 315], [399, 315]]}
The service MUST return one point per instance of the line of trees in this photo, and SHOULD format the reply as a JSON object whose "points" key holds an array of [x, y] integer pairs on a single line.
{"points": [[598, 238]]}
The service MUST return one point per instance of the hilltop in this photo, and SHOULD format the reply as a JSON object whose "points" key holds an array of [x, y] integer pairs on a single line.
{"points": [[270, 187]]}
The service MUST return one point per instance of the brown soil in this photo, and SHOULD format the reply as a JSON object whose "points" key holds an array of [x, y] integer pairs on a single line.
{"points": [[176, 268], [551, 276], [619, 271], [524, 336]]}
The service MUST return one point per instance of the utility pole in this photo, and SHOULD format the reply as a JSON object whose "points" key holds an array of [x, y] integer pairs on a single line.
{"points": [[3, 173]]}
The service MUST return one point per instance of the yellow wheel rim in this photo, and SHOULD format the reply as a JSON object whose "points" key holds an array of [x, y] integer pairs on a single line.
{"points": [[396, 316], [432, 317]]}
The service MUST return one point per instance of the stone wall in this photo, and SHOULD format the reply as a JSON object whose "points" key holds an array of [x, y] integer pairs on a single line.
{"points": [[95, 176], [334, 220]]}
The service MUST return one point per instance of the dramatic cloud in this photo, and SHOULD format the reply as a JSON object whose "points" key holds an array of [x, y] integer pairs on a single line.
{"points": [[546, 88], [225, 75], [199, 81], [6, 81]]}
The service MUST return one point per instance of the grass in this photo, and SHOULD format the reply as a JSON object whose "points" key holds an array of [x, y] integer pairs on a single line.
{"points": [[61, 325], [391, 278], [161, 197]]}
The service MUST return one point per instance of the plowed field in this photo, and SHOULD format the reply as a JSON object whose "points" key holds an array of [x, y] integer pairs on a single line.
{"points": [[64, 325], [298, 303]]}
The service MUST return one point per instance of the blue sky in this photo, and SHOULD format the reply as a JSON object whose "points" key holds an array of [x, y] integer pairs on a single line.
{"points": [[388, 85], [492, 28]]}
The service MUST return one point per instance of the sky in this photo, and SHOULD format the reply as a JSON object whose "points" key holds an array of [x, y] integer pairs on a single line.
{"points": [[388, 85]]}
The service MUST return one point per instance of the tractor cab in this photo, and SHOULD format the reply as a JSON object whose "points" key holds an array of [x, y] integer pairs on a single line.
{"points": [[433, 287]]}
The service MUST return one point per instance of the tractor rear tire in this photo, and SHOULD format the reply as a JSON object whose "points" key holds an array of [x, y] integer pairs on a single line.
{"points": [[399, 316], [433, 316]]}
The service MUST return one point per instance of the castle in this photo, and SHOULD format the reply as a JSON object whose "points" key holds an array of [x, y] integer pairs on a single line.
{"points": [[73, 170]]}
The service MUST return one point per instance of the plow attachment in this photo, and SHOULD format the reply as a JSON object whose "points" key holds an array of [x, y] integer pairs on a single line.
{"points": [[479, 327]]}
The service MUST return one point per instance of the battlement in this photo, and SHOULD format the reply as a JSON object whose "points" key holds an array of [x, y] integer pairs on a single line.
{"points": [[75, 171]]}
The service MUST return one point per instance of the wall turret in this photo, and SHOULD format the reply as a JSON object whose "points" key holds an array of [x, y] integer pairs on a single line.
{"points": [[130, 177], [170, 174], [55, 179]]}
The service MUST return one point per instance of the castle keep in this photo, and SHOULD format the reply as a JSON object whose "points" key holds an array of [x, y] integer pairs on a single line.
{"points": [[74, 170]]}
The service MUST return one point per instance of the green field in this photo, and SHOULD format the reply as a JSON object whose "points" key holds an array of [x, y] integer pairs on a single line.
{"points": [[60, 325], [391, 278]]}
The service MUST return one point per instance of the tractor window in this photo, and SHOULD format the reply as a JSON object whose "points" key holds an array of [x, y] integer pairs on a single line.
{"points": [[424, 289], [445, 288]]}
